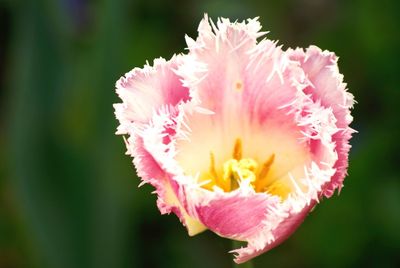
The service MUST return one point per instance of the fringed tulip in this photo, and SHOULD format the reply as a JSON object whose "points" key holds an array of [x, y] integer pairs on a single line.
{"points": [[238, 136]]}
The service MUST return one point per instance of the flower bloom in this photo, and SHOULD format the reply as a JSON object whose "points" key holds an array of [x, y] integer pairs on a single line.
{"points": [[238, 136]]}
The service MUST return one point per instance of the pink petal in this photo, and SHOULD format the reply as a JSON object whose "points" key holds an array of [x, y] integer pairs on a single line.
{"points": [[165, 188], [328, 88], [236, 216], [147, 93], [286, 229], [259, 219], [144, 91], [240, 73]]}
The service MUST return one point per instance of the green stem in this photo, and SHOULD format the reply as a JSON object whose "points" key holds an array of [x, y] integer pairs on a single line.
{"points": [[248, 264]]}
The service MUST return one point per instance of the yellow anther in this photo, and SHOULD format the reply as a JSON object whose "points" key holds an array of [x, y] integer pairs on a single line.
{"points": [[243, 169], [248, 163], [229, 167]]}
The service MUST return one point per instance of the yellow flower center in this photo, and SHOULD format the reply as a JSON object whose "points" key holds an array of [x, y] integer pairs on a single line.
{"points": [[238, 169]]}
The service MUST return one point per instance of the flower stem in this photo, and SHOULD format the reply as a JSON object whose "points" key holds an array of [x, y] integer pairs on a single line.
{"points": [[248, 264]]}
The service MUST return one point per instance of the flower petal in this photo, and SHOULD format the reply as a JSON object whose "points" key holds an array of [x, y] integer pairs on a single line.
{"points": [[239, 72], [285, 229], [144, 91], [166, 189], [327, 87], [149, 94], [236, 216]]}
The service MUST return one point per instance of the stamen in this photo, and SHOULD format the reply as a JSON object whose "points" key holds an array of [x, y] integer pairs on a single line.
{"points": [[229, 179], [237, 150], [266, 167], [262, 176], [212, 166], [238, 169], [216, 179]]}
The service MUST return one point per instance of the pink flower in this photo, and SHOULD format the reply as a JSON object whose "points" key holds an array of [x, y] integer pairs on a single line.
{"points": [[238, 136]]}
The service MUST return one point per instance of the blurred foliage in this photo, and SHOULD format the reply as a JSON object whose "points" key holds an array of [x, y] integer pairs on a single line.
{"points": [[68, 194]]}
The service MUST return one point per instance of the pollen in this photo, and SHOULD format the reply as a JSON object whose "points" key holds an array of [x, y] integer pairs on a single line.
{"points": [[238, 169]]}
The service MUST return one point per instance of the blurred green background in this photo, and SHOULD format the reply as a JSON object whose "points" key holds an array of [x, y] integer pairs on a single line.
{"points": [[68, 194]]}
